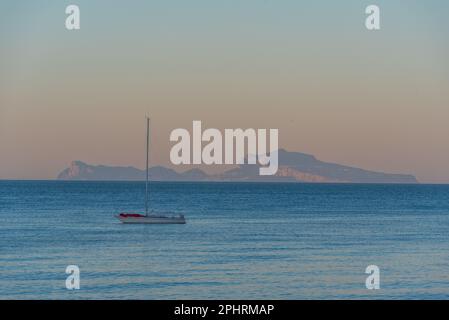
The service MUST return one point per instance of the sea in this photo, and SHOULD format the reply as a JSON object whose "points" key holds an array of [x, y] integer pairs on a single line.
{"points": [[241, 241]]}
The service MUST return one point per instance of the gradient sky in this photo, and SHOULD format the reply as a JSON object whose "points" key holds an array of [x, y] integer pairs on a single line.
{"points": [[376, 100]]}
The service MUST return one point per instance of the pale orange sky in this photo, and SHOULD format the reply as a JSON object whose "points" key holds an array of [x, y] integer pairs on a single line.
{"points": [[378, 101]]}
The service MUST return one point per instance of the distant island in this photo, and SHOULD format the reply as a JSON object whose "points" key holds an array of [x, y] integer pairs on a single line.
{"points": [[293, 167]]}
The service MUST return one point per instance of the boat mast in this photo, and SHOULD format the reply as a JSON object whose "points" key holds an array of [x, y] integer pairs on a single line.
{"points": [[146, 183]]}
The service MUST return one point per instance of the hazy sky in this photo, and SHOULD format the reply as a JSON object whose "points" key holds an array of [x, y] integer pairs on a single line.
{"points": [[376, 100]]}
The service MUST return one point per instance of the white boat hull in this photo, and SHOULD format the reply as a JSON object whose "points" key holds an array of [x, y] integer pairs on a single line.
{"points": [[152, 220]]}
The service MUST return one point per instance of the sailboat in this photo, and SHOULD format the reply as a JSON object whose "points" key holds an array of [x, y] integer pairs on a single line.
{"points": [[149, 218]]}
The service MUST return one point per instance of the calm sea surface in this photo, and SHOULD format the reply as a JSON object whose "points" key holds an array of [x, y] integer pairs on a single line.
{"points": [[241, 241]]}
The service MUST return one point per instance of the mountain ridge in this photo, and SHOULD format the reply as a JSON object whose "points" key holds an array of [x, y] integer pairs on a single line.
{"points": [[293, 167]]}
